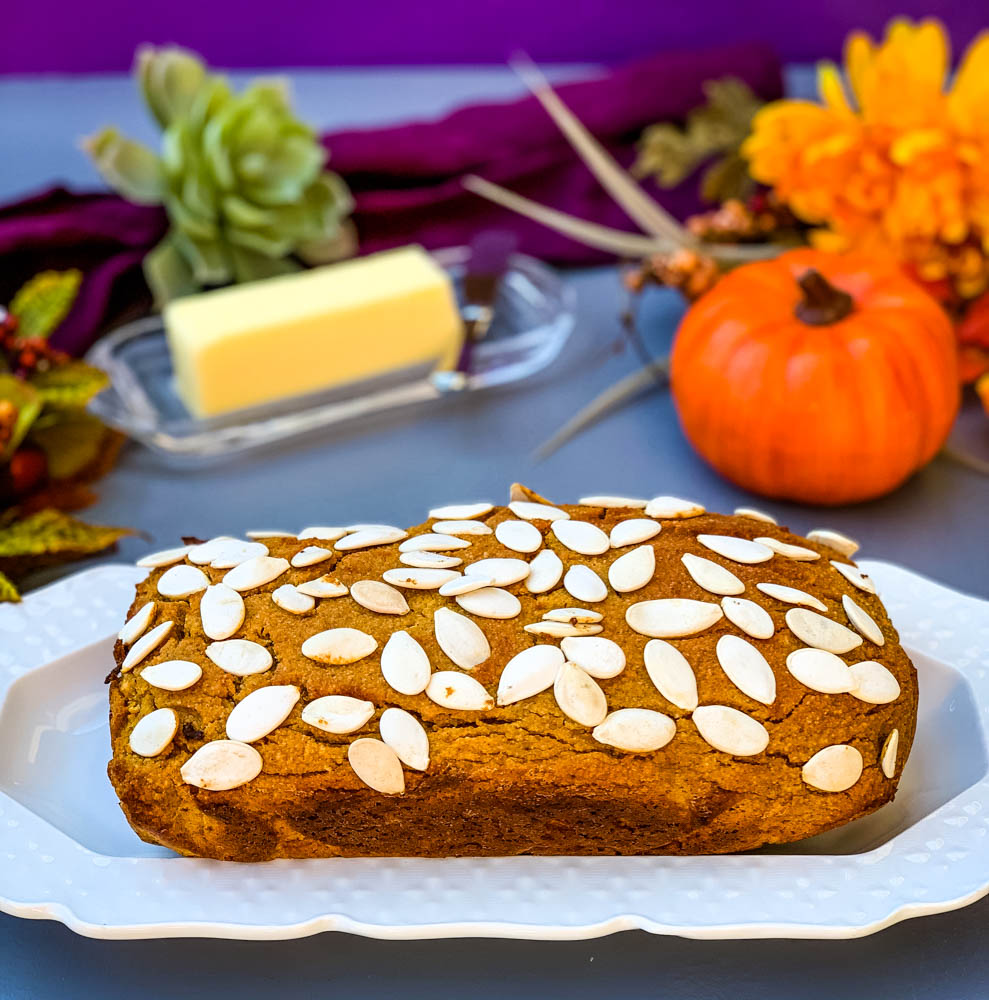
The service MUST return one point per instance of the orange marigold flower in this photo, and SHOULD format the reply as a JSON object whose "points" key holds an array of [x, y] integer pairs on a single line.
{"points": [[890, 160]]}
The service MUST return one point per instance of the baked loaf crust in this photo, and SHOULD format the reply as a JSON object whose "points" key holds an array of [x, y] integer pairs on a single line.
{"points": [[770, 748]]}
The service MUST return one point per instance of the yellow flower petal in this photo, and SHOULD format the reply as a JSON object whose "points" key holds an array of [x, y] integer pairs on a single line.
{"points": [[968, 101], [859, 53], [912, 145], [832, 89]]}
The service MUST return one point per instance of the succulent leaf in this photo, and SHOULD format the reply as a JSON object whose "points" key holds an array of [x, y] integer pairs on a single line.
{"points": [[168, 272], [128, 167], [170, 78], [242, 180]]}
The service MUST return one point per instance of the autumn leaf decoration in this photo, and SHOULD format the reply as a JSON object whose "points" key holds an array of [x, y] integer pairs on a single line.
{"points": [[713, 133], [50, 447]]}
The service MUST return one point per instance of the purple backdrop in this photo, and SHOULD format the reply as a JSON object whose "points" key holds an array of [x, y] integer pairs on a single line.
{"points": [[100, 35]]}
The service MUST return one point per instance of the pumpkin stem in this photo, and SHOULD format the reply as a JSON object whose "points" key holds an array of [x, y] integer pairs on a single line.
{"points": [[822, 303]]}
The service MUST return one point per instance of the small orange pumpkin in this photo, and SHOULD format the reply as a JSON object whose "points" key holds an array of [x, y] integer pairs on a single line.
{"points": [[823, 378]]}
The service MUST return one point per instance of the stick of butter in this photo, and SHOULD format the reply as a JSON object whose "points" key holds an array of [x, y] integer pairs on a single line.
{"points": [[267, 340]]}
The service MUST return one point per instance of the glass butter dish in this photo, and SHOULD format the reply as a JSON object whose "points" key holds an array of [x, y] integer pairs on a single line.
{"points": [[533, 315]]}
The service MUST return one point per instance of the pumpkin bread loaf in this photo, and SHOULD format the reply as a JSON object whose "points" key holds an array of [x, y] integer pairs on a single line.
{"points": [[613, 677]]}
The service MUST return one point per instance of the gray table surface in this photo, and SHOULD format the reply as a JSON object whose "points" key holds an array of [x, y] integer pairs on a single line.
{"points": [[392, 469]]}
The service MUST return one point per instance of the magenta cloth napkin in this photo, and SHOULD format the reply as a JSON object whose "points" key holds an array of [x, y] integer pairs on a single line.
{"points": [[406, 183]]}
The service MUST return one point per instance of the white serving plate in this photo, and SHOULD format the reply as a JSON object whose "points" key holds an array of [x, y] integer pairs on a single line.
{"points": [[67, 854]]}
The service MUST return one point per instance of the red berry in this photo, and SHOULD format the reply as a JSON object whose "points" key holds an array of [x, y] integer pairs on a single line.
{"points": [[28, 467]]}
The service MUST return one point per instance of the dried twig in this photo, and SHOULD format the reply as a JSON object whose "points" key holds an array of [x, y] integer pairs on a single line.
{"points": [[653, 218], [613, 397]]}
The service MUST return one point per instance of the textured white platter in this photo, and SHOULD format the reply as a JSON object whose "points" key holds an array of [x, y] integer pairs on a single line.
{"points": [[67, 854]]}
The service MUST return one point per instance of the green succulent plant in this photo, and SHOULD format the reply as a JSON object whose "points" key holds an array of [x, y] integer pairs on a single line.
{"points": [[243, 181]]}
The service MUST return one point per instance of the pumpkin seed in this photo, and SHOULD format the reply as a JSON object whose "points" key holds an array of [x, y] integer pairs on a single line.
{"points": [[377, 765], [529, 673], [221, 611], [610, 502], [520, 536], [172, 675], [633, 570], [290, 598], [310, 555], [874, 683], [581, 536], [154, 732], [240, 657], [462, 511], [261, 712], [145, 646], [673, 507], [816, 630], [730, 731], [633, 531], [339, 645], [451, 689], [834, 540], [821, 671], [635, 730], [503, 572], [888, 756], [672, 617], [137, 624], [221, 765], [529, 511], [460, 638], [583, 584], [379, 597], [579, 696], [833, 769], [405, 664], [182, 581], [672, 675], [595, 655], [740, 550], [747, 668], [791, 595], [490, 602], [710, 576], [789, 551], [338, 714], [544, 572], [404, 733], [751, 618], [255, 573]]}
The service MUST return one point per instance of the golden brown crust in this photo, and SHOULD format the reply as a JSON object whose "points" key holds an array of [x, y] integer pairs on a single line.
{"points": [[522, 778]]}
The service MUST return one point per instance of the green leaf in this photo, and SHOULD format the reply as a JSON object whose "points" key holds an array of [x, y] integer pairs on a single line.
{"points": [[670, 154], [170, 78], [43, 302], [51, 532], [71, 442], [27, 403], [128, 167], [8, 592], [168, 273], [727, 178], [72, 384]]}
